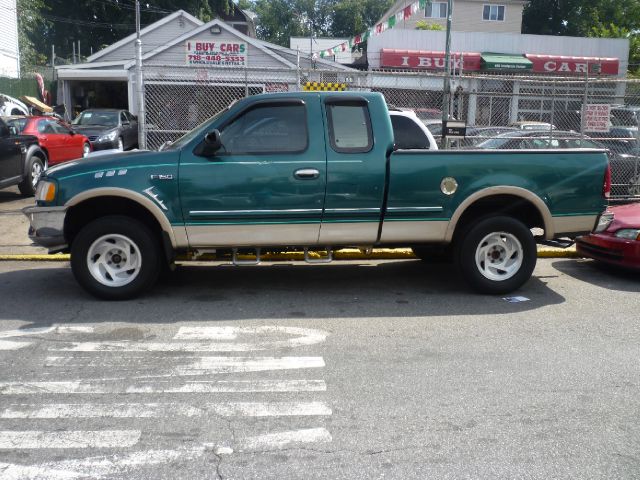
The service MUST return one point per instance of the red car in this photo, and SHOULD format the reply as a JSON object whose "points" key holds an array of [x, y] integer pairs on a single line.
{"points": [[616, 239], [58, 141]]}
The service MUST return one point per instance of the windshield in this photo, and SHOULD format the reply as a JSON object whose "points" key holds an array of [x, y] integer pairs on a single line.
{"points": [[199, 131], [106, 119], [18, 123]]}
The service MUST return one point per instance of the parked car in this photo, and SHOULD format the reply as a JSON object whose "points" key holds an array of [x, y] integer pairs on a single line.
{"points": [[616, 239], [475, 135], [409, 132], [58, 141], [22, 161], [531, 125], [537, 139], [315, 170], [12, 106], [108, 128]]}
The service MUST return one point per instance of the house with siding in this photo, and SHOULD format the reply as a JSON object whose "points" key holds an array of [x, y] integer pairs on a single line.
{"points": [[502, 16], [9, 52]]}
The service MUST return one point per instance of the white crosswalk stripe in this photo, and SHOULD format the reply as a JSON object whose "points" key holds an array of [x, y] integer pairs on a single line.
{"points": [[181, 367]]}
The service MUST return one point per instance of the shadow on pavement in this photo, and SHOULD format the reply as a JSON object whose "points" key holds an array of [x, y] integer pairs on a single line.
{"points": [[601, 275], [279, 291]]}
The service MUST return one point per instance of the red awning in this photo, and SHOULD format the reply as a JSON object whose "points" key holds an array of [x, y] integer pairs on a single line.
{"points": [[561, 64], [428, 60]]}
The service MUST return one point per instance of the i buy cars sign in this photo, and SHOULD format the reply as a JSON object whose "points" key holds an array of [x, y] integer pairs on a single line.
{"points": [[470, 62], [583, 65], [218, 54]]}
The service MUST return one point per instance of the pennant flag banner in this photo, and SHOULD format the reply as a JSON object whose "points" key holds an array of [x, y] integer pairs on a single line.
{"points": [[399, 16]]}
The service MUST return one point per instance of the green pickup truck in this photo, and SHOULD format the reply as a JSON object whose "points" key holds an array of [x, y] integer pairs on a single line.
{"points": [[317, 171]]}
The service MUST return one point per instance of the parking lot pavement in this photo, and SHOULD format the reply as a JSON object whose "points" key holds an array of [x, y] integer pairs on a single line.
{"points": [[357, 370], [14, 225]]}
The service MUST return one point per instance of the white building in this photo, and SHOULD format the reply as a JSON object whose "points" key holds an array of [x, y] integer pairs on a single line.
{"points": [[9, 52]]}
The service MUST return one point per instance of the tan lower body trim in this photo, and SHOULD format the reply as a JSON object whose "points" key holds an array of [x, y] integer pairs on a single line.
{"points": [[414, 231], [252, 235], [581, 223]]}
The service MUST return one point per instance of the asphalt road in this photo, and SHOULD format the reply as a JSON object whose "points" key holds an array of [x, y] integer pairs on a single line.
{"points": [[353, 370]]}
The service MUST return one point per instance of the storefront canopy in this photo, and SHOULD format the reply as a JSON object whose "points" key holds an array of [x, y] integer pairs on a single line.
{"points": [[504, 62]]}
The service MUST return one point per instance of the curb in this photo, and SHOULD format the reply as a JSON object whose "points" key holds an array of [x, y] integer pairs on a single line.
{"points": [[345, 254]]}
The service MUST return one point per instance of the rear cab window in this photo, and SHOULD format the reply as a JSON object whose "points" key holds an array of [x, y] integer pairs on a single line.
{"points": [[349, 126]]}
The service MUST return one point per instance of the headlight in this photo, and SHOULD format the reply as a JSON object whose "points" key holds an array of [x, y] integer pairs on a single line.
{"points": [[109, 137], [629, 233], [45, 191], [603, 222]]}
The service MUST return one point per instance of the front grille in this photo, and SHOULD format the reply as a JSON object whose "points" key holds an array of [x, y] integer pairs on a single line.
{"points": [[92, 138]]}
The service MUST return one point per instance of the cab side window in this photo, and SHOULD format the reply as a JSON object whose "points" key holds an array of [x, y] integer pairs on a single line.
{"points": [[267, 129], [349, 127]]}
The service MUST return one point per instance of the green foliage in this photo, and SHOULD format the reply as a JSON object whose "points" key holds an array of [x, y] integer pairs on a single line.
{"points": [[424, 25], [28, 23], [582, 18]]}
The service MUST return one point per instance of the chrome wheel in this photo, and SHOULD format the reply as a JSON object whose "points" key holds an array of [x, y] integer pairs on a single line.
{"points": [[86, 149], [36, 171], [114, 260], [499, 256], [120, 144]]}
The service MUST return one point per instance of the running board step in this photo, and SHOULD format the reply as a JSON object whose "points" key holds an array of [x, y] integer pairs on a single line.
{"points": [[558, 243], [238, 262], [328, 258]]}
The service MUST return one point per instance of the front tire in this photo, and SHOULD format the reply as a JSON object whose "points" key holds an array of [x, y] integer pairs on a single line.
{"points": [[35, 167], [116, 258], [496, 255]]}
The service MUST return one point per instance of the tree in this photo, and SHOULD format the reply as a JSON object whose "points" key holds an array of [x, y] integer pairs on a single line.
{"points": [[28, 21]]}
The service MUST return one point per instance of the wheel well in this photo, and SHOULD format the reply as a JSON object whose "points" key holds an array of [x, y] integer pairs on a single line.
{"points": [[507, 205], [80, 215]]}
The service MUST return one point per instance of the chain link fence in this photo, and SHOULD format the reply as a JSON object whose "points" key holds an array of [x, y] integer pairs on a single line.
{"points": [[500, 111]]}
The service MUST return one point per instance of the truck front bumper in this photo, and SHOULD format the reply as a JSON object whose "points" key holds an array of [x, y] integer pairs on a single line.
{"points": [[47, 227]]}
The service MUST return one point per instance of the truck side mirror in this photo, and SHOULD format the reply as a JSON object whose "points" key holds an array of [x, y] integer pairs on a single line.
{"points": [[210, 145]]}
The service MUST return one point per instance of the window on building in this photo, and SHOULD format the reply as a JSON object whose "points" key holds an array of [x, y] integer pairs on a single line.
{"points": [[436, 10], [493, 13]]}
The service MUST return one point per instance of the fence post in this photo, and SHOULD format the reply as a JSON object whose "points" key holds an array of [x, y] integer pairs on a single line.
{"points": [[142, 134], [585, 99], [246, 81], [553, 111]]}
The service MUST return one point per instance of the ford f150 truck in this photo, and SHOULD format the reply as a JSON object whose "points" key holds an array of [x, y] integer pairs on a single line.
{"points": [[318, 171]]}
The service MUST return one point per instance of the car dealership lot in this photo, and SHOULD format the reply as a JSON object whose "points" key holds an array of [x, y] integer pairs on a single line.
{"points": [[351, 370]]}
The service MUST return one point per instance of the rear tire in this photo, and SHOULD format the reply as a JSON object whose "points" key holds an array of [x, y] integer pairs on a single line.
{"points": [[116, 258], [35, 167], [496, 255]]}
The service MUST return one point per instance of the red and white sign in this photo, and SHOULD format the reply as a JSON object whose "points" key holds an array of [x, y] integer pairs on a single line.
{"points": [[559, 64], [597, 118], [418, 59], [217, 54], [276, 87]]}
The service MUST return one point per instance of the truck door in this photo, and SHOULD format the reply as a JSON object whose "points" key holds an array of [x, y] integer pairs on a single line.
{"points": [[356, 169], [265, 186]]}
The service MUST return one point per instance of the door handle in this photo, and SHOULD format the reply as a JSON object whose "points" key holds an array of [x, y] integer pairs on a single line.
{"points": [[306, 173]]}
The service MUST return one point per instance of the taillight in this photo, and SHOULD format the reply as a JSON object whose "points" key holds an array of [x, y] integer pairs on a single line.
{"points": [[606, 188]]}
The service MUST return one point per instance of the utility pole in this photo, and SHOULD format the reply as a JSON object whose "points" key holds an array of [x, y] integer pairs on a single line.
{"points": [[74, 52], [447, 71], [142, 139]]}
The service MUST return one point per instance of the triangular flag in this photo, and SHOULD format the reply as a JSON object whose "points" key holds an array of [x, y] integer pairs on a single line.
{"points": [[392, 21], [407, 12]]}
